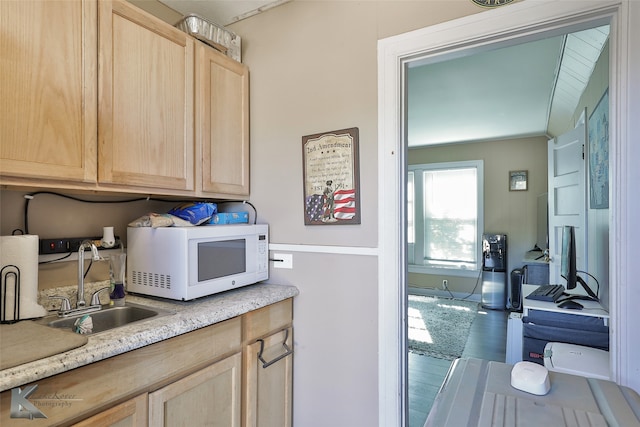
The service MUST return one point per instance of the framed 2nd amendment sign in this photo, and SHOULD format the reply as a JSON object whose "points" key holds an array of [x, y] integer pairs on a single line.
{"points": [[330, 168]]}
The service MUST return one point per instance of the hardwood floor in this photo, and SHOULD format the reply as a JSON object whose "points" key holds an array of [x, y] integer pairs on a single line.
{"points": [[487, 340]]}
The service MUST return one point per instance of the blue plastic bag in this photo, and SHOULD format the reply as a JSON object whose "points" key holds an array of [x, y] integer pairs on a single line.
{"points": [[196, 213]]}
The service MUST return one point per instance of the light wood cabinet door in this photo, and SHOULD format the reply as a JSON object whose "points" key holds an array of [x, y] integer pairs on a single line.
{"points": [[132, 413], [268, 390], [48, 84], [209, 397], [222, 123], [146, 107]]}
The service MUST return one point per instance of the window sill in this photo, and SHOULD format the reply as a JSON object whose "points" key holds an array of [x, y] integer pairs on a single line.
{"points": [[421, 269]]}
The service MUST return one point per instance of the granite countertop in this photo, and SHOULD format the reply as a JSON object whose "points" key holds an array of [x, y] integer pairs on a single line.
{"points": [[187, 316]]}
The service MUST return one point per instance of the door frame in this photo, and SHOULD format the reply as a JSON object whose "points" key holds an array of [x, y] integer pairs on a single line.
{"points": [[518, 22]]}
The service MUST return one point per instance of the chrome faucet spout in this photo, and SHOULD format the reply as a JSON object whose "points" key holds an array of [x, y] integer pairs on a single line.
{"points": [[96, 257]]}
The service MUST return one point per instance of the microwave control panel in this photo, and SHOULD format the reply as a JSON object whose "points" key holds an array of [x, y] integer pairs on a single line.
{"points": [[263, 254]]}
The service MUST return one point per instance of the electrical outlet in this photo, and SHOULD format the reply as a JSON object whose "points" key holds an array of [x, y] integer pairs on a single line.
{"points": [[283, 261], [445, 283]]}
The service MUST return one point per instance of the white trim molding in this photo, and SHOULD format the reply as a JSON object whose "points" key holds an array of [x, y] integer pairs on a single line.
{"points": [[342, 250], [514, 24]]}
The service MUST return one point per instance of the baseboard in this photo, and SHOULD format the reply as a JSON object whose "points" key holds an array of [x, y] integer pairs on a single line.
{"points": [[433, 292]]}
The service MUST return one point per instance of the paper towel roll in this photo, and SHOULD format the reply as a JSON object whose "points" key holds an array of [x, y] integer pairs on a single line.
{"points": [[21, 252]]}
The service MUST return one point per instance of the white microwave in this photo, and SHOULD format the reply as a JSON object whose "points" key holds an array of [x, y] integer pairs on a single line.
{"points": [[184, 263]]}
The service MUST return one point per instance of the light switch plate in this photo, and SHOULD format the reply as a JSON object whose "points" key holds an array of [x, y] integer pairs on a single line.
{"points": [[287, 261]]}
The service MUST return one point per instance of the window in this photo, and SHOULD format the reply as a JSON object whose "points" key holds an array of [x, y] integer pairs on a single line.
{"points": [[444, 213]]}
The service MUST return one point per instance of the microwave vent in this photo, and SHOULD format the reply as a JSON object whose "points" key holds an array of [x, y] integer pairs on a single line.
{"points": [[153, 280]]}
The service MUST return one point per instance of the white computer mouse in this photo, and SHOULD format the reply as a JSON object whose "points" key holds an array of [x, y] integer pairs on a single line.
{"points": [[531, 378]]}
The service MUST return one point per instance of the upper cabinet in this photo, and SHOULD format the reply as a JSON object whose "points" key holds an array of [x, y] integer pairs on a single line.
{"points": [[222, 122], [137, 106], [145, 75], [49, 94]]}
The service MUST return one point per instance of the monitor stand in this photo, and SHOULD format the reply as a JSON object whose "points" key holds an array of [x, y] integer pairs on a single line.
{"points": [[590, 297]]}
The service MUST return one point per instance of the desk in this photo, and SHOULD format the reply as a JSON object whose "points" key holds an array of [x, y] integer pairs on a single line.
{"points": [[478, 393], [544, 322], [591, 308], [525, 341]]}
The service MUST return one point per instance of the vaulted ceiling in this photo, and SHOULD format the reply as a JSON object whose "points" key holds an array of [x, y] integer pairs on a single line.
{"points": [[524, 90]]}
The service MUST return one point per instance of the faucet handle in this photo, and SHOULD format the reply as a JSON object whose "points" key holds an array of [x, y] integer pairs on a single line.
{"points": [[95, 298], [65, 305]]}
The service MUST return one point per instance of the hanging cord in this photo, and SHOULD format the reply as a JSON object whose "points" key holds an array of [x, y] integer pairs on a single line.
{"points": [[474, 287], [255, 211], [466, 296], [29, 197], [56, 260], [593, 277]]}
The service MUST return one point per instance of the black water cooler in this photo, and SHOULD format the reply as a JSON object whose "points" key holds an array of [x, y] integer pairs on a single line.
{"points": [[494, 271]]}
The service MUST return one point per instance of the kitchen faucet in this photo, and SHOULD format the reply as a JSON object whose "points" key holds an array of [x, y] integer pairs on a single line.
{"points": [[96, 257], [81, 305]]}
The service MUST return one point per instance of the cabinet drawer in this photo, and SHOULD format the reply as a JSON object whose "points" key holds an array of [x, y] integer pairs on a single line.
{"points": [[261, 322]]}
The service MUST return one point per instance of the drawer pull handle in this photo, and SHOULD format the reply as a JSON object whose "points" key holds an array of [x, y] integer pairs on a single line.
{"points": [[287, 352]]}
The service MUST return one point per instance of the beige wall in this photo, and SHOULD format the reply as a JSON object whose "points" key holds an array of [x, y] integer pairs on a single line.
{"points": [[507, 212]]}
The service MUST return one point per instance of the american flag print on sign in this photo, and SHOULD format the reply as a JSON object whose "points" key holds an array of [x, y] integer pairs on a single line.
{"points": [[314, 205], [344, 204]]}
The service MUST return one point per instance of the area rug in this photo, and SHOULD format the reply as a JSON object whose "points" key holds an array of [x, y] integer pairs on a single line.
{"points": [[439, 327]]}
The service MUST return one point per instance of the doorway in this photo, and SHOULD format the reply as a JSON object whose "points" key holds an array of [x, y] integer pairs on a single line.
{"points": [[516, 23], [442, 95]]}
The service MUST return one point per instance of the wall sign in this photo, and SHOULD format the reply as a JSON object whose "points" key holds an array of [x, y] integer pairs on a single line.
{"points": [[330, 170]]}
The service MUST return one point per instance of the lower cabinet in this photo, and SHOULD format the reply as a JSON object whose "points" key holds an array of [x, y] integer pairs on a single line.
{"points": [[209, 397], [214, 376], [267, 339], [132, 413], [268, 394]]}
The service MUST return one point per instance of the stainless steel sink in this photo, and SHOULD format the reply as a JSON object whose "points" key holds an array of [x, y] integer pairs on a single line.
{"points": [[108, 318]]}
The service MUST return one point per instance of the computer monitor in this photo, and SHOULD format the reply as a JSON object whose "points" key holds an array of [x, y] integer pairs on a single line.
{"points": [[568, 267]]}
